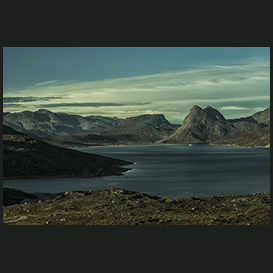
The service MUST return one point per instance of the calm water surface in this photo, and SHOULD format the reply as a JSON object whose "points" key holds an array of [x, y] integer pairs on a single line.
{"points": [[173, 171]]}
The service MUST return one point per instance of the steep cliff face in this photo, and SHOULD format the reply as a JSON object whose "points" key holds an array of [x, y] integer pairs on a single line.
{"points": [[209, 125]]}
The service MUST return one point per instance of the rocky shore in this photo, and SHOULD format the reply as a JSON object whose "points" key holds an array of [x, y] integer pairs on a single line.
{"points": [[113, 206]]}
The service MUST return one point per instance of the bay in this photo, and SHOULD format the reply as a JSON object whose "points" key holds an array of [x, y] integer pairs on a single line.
{"points": [[173, 171]]}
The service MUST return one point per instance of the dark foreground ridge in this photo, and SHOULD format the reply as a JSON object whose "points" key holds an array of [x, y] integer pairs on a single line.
{"points": [[24, 156], [115, 206]]}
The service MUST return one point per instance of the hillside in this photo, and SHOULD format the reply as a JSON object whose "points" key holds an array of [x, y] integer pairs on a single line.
{"points": [[24, 156], [256, 139], [209, 125], [47, 124]]}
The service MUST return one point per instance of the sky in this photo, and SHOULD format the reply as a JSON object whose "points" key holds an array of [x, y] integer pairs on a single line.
{"points": [[132, 81]]}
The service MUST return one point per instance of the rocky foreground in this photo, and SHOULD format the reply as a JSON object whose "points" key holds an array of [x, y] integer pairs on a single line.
{"points": [[115, 206]]}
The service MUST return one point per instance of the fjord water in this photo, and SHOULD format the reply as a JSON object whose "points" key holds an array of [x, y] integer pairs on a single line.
{"points": [[173, 171]]}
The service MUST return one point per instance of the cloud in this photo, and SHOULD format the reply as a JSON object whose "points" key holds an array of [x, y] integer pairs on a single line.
{"points": [[91, 104], [244, 84], [46, 83], [13, 105], [27, 99], [232, 108]]}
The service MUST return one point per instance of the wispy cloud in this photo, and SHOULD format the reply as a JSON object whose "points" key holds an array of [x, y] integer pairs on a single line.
{"points": [[232, 108], [46, 83], [233, 85], [12, 105], [28, 99], [91, 104]]}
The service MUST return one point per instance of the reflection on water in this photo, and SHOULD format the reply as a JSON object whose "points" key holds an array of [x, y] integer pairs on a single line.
{"points": [[173, 171]]}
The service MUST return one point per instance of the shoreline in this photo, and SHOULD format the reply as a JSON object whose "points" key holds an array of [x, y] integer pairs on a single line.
{"points": [[67, 176], [206, 143], [240, 146], [195, 196]]}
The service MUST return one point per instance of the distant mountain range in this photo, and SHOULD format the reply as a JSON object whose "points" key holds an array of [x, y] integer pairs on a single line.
{"points": [[142, 129], [46, 124], [206, 125], [209, 125], [24, 156]]}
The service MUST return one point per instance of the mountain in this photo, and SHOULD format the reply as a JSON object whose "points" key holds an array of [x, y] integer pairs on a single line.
{"points": [[215, 114], [46, 124], [263, 116], [209, 125], [140, 129], [256, 139], [24, 156], [260, 117]]}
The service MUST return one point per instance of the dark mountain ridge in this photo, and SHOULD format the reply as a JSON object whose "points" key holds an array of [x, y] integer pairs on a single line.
{"points": [[24, 156]]}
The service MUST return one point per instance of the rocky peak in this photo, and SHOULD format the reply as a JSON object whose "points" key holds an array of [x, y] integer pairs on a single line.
{"points": [[195, 108], [195, 115], [215, 114]]}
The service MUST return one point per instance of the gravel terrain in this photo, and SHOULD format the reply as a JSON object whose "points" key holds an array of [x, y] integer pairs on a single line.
{"points": [[115, 206]]}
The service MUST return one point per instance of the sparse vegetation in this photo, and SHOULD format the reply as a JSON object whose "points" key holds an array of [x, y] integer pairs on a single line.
{"points": [[114, 206]]}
